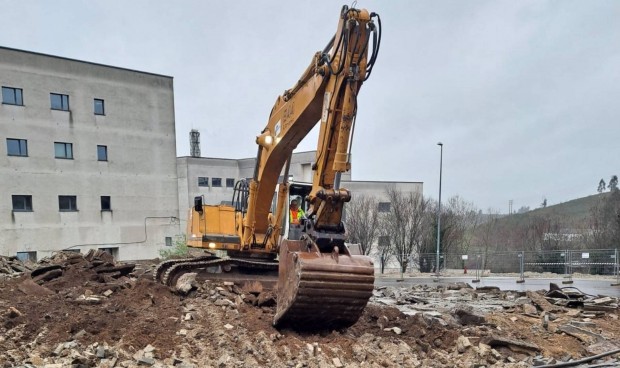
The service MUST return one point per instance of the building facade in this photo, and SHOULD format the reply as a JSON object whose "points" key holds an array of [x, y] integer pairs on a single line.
{"points": [[89, 158], [214, 179]]}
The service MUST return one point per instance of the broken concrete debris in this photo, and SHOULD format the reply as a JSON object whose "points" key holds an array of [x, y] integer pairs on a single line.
{"points": [[413, 326], [462, 344], [580, 333], [186, 283]]}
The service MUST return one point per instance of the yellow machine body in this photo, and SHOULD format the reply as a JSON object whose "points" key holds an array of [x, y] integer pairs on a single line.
{"points": [[320, 280]]}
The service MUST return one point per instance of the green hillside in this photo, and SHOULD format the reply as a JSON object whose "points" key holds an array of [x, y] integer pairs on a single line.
{"points": [[574, 213], [576, 210], [528, 230]]}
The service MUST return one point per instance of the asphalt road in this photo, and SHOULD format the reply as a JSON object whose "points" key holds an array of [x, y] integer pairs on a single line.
{"points": [[594, 287]]}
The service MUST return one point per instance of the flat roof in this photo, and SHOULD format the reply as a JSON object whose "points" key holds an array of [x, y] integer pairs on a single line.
{"points": [[209, 158], [85, 62], [383, 181], [235, 159]]}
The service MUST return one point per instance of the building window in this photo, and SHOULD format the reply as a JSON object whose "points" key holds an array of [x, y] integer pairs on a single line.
{"points": [[168, 241], [216, 182], [384, 207], [12, 96], [102, 153], [59, 102], [112, 251], [99, 107], [63, 150], [203, 181], [26, 256], [106, 204], [67, 203], [16, 147], [230, 183], [22, 203]]}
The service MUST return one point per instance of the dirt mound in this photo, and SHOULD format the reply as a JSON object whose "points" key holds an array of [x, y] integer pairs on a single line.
{"points": [[82, 316]]}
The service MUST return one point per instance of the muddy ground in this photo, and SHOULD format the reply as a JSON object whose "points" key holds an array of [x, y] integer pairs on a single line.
{"points": [[82, 318]]}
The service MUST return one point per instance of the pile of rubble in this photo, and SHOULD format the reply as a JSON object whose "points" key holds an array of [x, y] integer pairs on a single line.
{"points": [[575, 298], [558, 325], [423, 298], [13, 267], [49, 268], [96, 314]]}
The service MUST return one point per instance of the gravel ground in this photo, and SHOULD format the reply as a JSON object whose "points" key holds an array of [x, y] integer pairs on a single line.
{"points": [[80, 319]]}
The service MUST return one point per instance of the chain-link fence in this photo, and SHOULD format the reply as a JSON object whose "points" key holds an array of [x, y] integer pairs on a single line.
{"points": [[603, 262]]}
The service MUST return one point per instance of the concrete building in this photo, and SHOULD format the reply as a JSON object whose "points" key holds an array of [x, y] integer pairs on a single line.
{"points": [[89, 158], [214, 178]]}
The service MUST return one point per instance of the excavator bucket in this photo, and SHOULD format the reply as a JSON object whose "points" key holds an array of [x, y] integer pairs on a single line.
{"points": [[321, 290]]}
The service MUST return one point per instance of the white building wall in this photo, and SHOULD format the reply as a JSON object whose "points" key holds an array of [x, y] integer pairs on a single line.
{"points": [[378, 189], [194, 167], [190, 168], [140, 174]]}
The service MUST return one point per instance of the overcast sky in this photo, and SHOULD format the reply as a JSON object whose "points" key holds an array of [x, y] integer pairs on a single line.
{"points": [[525, 95]]}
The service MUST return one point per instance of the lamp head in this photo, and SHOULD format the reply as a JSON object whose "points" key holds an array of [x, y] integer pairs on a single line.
{"points": [[440, 144]]}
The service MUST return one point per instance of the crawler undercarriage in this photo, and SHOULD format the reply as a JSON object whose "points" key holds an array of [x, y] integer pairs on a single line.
{"points": [[314, 290]]}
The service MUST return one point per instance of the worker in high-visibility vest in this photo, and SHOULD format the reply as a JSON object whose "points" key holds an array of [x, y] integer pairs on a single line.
{"points": [[295, 213]]}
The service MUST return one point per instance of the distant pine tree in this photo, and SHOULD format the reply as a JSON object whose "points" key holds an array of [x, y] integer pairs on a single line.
{"points": [[613, 183], [601, 186]]}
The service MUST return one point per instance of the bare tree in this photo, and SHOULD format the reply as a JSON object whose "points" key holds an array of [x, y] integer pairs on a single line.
{"points": [[545, 233], [487, 234], [458, 220], [605, 222], [384, 250], [466, 221], [362, 222], [403, 223]]}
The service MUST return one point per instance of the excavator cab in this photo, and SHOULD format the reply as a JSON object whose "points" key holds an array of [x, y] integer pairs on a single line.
{"points": [[297, 192]]}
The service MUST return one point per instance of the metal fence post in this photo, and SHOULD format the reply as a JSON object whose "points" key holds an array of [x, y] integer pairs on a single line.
{"points": [[565, 256], [569, 278], [521, 260], [617, 262], [477, 279]]}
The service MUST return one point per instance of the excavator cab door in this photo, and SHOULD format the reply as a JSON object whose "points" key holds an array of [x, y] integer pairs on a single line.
{"points": [[297, 192]]}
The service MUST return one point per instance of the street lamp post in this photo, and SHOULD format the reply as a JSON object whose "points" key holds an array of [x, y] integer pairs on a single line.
{"points": [[439, 210]]}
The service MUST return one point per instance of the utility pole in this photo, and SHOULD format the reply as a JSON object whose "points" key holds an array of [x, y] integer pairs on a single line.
{"points": [[439, 211]]}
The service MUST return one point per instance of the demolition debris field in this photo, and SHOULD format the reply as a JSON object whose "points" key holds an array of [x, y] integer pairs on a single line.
{"points": [[86, 311]]}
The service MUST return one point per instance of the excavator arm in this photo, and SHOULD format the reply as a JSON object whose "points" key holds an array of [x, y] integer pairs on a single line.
{"points": [[320, 283], [326, 93]]}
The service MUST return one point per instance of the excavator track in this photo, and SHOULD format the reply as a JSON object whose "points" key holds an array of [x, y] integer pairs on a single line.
{"points": [[170, 272], [321, 290], [162, 267]]}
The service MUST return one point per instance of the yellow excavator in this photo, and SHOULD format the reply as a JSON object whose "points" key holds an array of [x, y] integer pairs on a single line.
{"points": [[321, 281]]}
